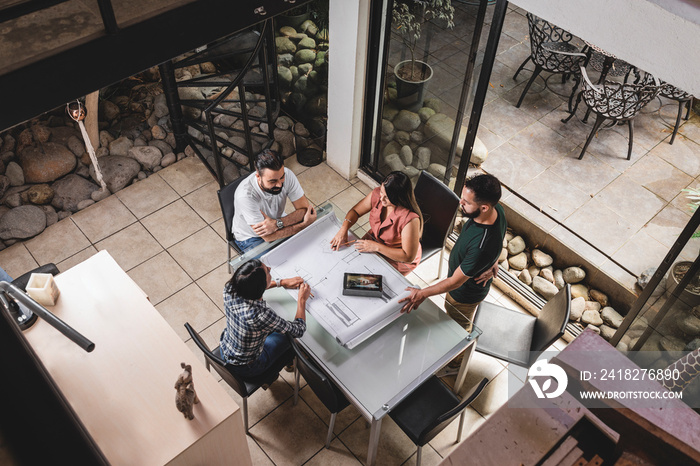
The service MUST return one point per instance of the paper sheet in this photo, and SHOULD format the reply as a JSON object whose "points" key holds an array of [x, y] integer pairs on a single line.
{"points": [[349, 319]]}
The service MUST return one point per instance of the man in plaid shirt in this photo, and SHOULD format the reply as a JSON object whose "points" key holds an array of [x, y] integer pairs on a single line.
{"points": [[254, 339]]}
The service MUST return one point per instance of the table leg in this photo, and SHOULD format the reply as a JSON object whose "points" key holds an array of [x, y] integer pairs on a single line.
{"points": [[373, 441], [462, 374]]}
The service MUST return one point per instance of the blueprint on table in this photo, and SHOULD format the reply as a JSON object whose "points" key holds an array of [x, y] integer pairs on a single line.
{"points": [[350, 319]]}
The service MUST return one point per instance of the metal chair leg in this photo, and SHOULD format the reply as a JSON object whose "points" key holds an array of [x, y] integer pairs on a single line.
{"points": [[598, 121], [521, 67], [418, 455], [245, 413], [573, 112], [630, 124], [461, 426], [689, 103], [535, 73], [331, 425], [678, 121], [229, 260], [296, 380], [442, 253]]}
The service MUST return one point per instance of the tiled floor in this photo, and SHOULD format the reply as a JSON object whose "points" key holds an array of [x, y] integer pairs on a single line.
{"points": [[167, 233]]}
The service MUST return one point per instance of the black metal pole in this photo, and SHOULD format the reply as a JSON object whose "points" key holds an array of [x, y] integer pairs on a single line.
{"points": [[473, 52], [482, 87], [167, 76], [108, 18]]}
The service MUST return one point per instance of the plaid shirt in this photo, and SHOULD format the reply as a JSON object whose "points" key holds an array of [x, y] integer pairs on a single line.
{"points": [[248, 323]]}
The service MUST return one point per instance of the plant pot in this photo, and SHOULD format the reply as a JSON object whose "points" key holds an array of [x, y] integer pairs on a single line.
{"points": [[410, 94], [691, 294]]}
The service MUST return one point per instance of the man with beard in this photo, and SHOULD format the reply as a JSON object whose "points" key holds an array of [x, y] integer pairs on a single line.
{"points": [[474, 258], [260, 200]]}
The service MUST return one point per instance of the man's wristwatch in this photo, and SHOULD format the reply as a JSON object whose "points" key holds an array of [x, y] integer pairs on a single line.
{"points": [[280, 224]]}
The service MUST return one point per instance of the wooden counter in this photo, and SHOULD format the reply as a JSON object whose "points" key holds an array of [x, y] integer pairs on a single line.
{"points": [[123, 391]]}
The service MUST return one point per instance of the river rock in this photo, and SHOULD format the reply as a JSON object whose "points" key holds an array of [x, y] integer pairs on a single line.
{"points": [[547, 274], [110, 110], [39, 194], [558, 279], [120, 146], [51, 215], [671, 343], [117, 171], [46, 163], [578, 305], [689, 325], [410, 171], [516, 245], [14, 174], [534, 271], [41, 133], [391, 148], [592, 306], [284, 45], [591, 317], [541, 259], [286, 141], [84, 204], [437, 170], [518, 261], [546, 289], [158, 132], [645, 277], [425, 113], [309, 27], [70, 190], [573, 274], [304, 56], [402, 137], [394, 162], [4, 184], [693, 345], [406, 155], [22, 222], [75, 145], [307, 43], [607, 332], [611, 317], [579, 290], [525, 277], [406, 121], [593, 328], [504, 252], [148, 156], [599, 296], [167, 160]]}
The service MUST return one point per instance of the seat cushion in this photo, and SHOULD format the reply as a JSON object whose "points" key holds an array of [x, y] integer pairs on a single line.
{"points": [[507, 334]]}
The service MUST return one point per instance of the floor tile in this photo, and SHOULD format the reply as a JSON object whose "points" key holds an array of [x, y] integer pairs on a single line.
{"points": [[631, 201], [554, 195], [490, 139], [444, 442], [601, 226], [160, 277], [346, 200], [290, 425], [186, 176], [77, 258], [344, 418], [666, 225], [58, 242], [173, 223], [101, 220], [394, 446], [683, 154], [200, 253], [513, 168], [188, 305], [545, 145], [659, 176], [610, 146], [337, 455], [576, 244], [629, 254], [131, 246], [205, 202], [264, 402], [257, 455], [504, 119], [17, 260], [494, 395], [213, 284], [147, 196], [321, 182], [589, 174]]}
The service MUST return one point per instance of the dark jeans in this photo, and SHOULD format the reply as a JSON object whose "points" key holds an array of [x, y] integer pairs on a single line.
{"points": [[275, 347], [249, 243]]}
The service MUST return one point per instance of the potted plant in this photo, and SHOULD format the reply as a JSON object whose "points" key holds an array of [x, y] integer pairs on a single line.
{"points": [[691, 294], [412, 75]]}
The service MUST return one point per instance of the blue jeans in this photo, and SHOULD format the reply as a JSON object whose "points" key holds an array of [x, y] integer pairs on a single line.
{"points": [[249, 243], [276, 345], [4, 277]]}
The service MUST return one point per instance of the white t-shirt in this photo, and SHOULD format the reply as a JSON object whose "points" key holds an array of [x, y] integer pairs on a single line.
{"points": [[250, 199]]}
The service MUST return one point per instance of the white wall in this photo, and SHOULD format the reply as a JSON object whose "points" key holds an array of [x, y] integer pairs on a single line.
{"points": [[637, 31], [348, 29]]}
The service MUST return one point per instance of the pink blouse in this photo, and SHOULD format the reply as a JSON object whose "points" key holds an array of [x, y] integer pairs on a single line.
{"points": [[389, 231]]}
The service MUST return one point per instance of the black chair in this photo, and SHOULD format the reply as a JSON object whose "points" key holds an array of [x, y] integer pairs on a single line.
{"points": [[326, 391], [226, 195], [551, 50], [21, 281], [519, 338], [431, 408], [438, 205], [244, 387], [684, 100], [617, 101]]}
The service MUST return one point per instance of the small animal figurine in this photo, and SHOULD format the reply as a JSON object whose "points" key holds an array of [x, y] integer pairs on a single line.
{"points": [[186, 397]]}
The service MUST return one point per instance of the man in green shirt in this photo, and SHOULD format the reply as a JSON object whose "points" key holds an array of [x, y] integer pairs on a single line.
{"points": [[474, 258]]}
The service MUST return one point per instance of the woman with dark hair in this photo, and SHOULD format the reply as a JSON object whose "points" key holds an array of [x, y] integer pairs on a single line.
{"points": [[395, 223], [254, 335]]}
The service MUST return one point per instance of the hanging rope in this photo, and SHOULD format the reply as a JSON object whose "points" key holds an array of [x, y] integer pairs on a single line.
{"points": [[77, 112]]}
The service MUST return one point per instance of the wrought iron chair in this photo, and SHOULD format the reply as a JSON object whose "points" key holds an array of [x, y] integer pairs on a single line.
{"points": [[551, 50], [226, 195], [617, 101], [683, 98], [429, 409]]}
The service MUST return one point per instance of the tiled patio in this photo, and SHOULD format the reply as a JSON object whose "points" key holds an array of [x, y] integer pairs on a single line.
{"points": [[167, 233]]}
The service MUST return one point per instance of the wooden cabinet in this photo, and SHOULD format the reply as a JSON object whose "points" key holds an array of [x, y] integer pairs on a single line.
{"points": [[123, 391]]}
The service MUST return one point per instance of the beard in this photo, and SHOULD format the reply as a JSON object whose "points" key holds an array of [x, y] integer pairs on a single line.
{"points": [[272, 190], [470, 214]]}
